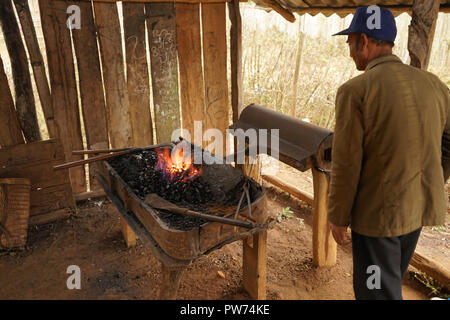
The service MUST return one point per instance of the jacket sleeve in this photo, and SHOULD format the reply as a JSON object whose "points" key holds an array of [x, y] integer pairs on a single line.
{"points": [[346, 157], [446, 141]]}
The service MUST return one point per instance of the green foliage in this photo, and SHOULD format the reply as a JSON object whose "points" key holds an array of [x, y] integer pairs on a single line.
{"points": [[286, 213]]}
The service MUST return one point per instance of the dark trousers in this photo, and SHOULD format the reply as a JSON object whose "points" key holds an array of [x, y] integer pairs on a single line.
{"points": [[379, 265]]}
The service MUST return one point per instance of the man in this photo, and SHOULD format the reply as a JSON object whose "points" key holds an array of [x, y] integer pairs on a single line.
{"points": [[387, 178]]}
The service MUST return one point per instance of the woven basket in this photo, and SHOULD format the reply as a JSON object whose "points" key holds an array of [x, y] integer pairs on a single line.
{"points": [[14, 212]]}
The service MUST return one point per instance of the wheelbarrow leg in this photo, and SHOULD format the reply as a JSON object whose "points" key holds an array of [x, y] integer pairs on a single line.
{"points": [[170, 282], [254, 265]]}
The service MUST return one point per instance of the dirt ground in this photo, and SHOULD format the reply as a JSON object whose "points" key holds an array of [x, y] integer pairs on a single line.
{"points": [[92, 240]]}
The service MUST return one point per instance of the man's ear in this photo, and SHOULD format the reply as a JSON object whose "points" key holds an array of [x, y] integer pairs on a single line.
{"points": [[364, 40]]}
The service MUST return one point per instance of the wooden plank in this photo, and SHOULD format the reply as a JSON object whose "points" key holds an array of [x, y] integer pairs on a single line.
{"points": [[23, 89], [10, 133], [421, 32], [37, 63], [90, 82], [215, 66], [285, 13], [50, 199], [431, 268], [107, 20], [190, 65], [41, 151], [90, 195], [49, 217], [254, 265], [164, 68], [289, 188], [324, 246], [236, 58], [137, 74], [62, 79], [50, 190]]}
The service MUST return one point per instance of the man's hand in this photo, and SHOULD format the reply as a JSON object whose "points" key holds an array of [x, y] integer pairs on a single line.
{"points": [[340, 234]]}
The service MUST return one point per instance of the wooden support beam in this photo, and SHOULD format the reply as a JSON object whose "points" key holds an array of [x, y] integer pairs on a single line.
{"points": [[190, 65], [90, 195], [236, 58], [37, 63], [23, 89], [421, 31], [10, 133], [91, 85], [137, 74], [285, 13], [289, 188], [324, 246], [62, 79], [215, 67], [254, 265], [170, 282], [164, 68], [120, 132], [431, 268]]}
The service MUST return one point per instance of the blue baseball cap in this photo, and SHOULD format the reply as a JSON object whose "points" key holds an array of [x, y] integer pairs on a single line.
{"points": [[376, 22]]}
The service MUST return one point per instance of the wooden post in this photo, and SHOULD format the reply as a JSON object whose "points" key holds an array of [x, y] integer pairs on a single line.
{"points": [[63, 85], [23, 89], [10, 133], [164, 68], [170, 282], [107, 20], [91, 85], [421, 31], [236, 58], [190, 65], [254, 265], [324, 246], [215, 66], [137, 74], [37, 63]]}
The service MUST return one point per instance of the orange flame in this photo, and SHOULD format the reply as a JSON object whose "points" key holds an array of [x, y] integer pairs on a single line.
{"points": [[175, 165]]}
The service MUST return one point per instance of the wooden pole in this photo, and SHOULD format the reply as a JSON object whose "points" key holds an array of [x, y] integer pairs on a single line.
{"points": [[190, 65], [63, 85], [236, 58], [37, 63], [215, 66], [164, 68], [170, 282], [25, 106], [255, 265], [91, 85], [10, 133], [298, 57], [137, 74], [107, 20], [324, 246], [421, 31]]}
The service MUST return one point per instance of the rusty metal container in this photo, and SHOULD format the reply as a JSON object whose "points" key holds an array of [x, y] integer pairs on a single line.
{"points": [[301, 144]]}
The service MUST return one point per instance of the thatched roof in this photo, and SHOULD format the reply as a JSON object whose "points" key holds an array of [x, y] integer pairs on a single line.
{"points": [[340, 7]]}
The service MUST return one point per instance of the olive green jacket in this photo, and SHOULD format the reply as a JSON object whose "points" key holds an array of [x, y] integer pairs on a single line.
{"points": [[392, 132]]}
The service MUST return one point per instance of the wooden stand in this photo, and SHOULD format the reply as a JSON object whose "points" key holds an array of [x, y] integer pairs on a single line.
{"points": [[324, 246], [171, 277], [128, 233], [255, 265]]}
